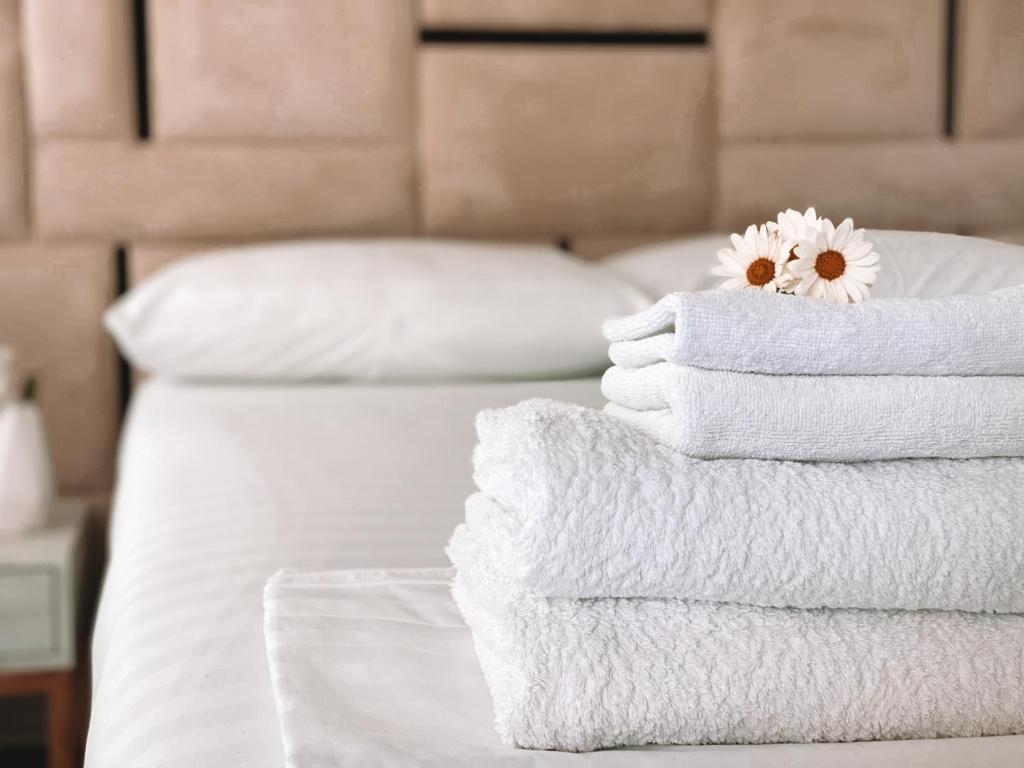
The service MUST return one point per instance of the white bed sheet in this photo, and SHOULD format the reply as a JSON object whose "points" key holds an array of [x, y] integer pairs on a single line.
{"points": [[219, 487], [392, 662]]}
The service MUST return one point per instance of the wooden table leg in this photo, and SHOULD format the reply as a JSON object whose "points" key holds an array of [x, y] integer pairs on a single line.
{"points": [[61, 725]]}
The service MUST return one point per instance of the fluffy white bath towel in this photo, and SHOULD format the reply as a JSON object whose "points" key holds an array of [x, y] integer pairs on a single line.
{"points": [[586, 674], [593, 508], [772, 333], [721, 414]]}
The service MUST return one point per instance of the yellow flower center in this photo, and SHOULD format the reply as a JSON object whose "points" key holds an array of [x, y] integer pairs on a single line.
{"points": [[761, 271], [830, 264]]}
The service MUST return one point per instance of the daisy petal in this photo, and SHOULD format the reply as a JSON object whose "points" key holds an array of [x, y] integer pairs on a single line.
{"points": [[853, 288], [806, 250], [806, 285], [733, 282], [866, 261], [861, 274], [857, 251], [730, 258], [842, 235]]}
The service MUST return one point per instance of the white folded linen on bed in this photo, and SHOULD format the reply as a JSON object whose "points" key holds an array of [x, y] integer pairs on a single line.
{"points": [[595, 509], [389, 677], [721, 414], [580, 675], [771, 333], [316, 625]]}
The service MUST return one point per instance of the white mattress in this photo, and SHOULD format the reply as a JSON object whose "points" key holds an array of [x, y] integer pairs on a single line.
{"points": [[221, 486]]}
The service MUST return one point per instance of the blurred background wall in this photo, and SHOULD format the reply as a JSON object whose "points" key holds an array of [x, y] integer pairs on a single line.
{"points": [[134, 132]]}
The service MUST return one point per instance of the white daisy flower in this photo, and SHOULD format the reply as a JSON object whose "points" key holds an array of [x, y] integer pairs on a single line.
{"points": [[834, 263], [756, 261], [792, 227]]}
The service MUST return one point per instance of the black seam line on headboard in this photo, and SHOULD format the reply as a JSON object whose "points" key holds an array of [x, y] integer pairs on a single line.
{"points": [[949, 116], [139, 42], [562, 37], [124, 373]]}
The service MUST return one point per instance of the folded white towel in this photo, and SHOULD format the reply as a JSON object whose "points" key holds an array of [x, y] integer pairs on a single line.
{"points": [[588, 674], [720, 414], [595, 509], [772, 333], [647, 351], [641, 389]]}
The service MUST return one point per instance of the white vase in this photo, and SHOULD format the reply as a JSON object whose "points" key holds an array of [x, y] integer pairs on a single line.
{"points": [[26, 476]]}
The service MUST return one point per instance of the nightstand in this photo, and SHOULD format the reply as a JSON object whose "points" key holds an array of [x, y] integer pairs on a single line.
{"points": [[40, 577]]}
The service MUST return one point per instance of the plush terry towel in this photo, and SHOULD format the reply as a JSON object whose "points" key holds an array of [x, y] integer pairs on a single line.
{"points": [[586, 674], [771, 333], [595, 509], [720, 414]]}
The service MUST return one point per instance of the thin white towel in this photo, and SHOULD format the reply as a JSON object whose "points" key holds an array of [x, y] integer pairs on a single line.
{"points": [[651, 350], [720, 414], [641, 389], [772, 333], [588, 674], [596, 509]]}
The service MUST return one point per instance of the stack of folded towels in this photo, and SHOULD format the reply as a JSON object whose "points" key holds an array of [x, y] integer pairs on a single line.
{"points": [[795, 521]]}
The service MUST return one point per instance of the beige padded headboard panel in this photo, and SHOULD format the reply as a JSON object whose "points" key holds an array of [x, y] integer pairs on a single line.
{"points": [[503, 146], [151, 127], [80, 68], [872, 69], [989, 92], [51, 299], [337, 70], [210, 190], [13, 202]]}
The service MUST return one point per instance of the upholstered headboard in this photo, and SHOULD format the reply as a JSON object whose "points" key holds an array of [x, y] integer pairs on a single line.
{"points": [[133, 131]]}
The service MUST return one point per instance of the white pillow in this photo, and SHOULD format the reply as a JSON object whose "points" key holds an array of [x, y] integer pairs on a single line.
{"points": [[674, 265], [913, 264], [936, 264], [371, 309]]}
